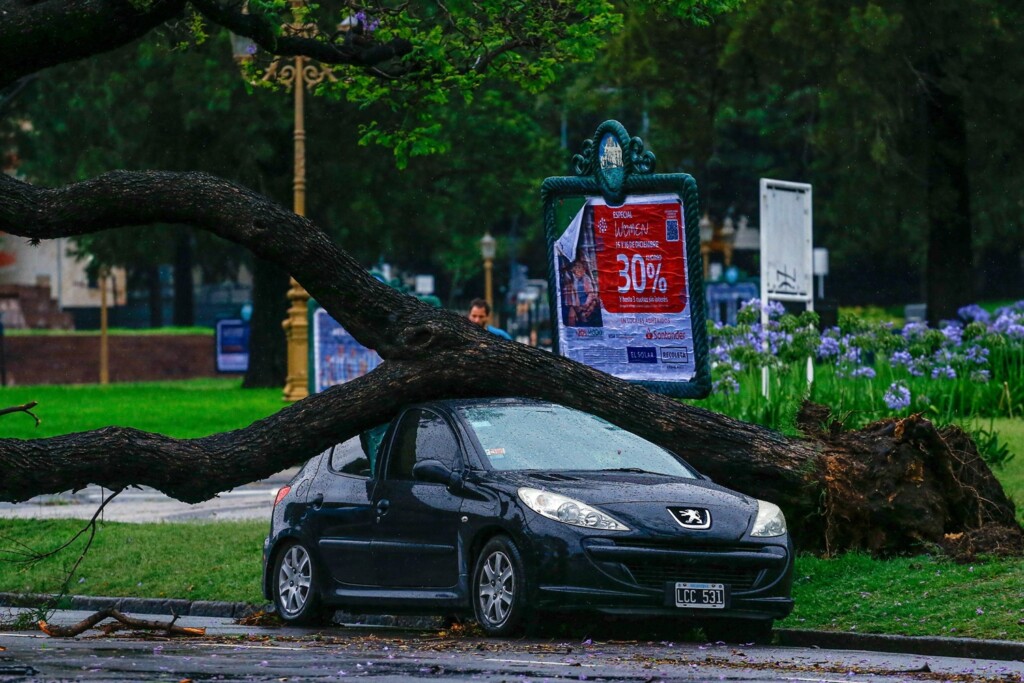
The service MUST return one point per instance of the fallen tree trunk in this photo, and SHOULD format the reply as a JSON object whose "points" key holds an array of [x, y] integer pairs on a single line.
{"points": [[839, 491]]}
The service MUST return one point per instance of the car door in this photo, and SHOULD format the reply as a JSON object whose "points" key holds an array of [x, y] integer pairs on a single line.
{"points": [[417, 522], [341, 516]]}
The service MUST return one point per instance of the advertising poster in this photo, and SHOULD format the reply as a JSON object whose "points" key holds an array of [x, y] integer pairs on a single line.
{"points": [[622, 289], [232, 345], [337, 356]]}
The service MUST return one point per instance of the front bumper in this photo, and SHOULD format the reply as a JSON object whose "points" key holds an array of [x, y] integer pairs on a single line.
{"points": [[631, 575]]}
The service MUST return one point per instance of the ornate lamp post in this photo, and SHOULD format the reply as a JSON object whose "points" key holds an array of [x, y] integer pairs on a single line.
{"points": [[488, 248], [298, 75]]}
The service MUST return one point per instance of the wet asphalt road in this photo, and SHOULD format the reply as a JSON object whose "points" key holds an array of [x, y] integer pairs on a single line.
{"points": [[246, 653], [251, 501]]}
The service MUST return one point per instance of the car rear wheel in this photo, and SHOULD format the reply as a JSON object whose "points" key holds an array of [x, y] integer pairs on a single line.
{"points": [[739, 631], [295, 593], [499, 588]]}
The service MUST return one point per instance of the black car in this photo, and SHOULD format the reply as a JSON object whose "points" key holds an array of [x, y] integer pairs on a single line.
{"points": [[507, 508]]}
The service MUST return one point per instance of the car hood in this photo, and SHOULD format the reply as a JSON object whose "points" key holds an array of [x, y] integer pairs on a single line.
{"points": [[643, 501]]}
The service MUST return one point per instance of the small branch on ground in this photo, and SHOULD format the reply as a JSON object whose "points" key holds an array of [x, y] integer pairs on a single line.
{"points": [[27, 408], [92, 621]]}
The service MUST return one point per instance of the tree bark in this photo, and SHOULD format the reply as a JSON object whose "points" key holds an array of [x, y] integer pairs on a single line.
{"points": [[825, 484]]}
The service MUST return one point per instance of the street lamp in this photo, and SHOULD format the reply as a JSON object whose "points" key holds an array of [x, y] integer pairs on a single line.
{"points": [[488, 248], [298, 75]]}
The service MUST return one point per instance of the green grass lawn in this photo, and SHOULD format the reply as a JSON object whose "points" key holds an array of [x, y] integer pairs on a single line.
{"points": [[1011, 475], [195, 561], [182, 409]]}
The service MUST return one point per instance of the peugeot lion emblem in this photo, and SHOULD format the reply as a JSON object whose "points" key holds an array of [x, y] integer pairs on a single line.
{"points": [[692, 518]]}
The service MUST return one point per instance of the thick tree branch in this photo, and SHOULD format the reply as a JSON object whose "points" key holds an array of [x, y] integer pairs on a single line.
{"points": [[40, 34]]}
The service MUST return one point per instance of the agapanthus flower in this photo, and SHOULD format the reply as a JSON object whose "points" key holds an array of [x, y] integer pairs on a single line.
{"points": [[980, 376], [943, 372], [953, 333], [913, 330], [863, 371], [726, 385], [901, 358], [829, 347], [976, 354], [897, 397], [974, 313]]}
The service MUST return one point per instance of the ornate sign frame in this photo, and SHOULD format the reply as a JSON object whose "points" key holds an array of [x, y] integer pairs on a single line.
{"points": [[612, 168]]}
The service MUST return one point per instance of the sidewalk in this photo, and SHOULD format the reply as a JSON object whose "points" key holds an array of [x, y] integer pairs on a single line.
{"points": [[251, 501], [1001, 650]]}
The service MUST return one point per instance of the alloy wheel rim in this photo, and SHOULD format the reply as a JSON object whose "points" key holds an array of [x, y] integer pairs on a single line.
{"points": [[294, 579], [497, 585]]}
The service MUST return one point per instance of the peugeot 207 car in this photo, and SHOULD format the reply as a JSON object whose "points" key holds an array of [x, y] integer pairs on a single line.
{"points": [[507, 508]]}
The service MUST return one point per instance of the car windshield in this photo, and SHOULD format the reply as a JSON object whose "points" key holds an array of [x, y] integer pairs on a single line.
{"points": [[549, 437]]}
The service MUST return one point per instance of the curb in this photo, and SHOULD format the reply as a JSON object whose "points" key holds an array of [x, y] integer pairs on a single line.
{"points": [[202, 608], [1000, 650], [183, 608]]}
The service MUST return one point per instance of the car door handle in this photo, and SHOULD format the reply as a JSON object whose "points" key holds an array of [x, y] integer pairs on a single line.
{"points": [[317, 501], [382, 507]]}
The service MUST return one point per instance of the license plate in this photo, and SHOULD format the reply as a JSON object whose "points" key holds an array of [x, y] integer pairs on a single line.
{"points": [[700, 595]]}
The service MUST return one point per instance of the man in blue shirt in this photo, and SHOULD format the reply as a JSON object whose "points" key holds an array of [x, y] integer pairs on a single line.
{"points": [[480, 313]]}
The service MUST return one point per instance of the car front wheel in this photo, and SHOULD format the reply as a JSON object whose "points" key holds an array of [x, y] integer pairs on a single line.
{"points": [[295, 593], [499, 588]]}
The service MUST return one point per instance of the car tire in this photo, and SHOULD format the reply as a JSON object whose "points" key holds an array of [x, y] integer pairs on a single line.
{"points": [[499, 589], [740, 631], [294, 586]]}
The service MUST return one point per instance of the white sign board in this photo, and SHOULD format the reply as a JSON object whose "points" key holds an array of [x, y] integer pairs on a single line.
{"points": [[786, 249]]}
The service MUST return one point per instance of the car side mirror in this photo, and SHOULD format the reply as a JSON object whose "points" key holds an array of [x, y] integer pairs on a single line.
{"points": [[435, 472]]}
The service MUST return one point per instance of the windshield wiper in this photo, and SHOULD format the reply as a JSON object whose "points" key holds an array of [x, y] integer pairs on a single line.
{"points": [[635, 470]]}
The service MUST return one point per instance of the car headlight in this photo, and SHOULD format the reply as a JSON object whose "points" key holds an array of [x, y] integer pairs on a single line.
{"points": [[770, 520], [568, 511]]}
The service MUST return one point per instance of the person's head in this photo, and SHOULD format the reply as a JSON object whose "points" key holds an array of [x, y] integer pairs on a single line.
{"points": [[479, 312], [579, 268]]}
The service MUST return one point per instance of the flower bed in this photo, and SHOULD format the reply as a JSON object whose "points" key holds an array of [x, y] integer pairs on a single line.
{"points": [[865, 371]]}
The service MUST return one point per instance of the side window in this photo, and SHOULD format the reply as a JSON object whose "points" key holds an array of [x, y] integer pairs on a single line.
{"points": [[349, 457], [421, 435]]}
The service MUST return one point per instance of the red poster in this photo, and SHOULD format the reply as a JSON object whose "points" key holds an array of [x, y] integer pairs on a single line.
{"points": [[640, 262]]}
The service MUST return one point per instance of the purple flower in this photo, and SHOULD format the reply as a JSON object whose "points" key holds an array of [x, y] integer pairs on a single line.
{"points": [[864, 371], [977, 354], [974, 313], [901, 358], [369, 23], [980, 376], [727, 385], [829, 348], [944, 371], [953, 333], [897, 397], [913, 330]]}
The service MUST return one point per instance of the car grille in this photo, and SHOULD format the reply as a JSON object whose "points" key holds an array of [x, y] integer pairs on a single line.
{"points": [[651, 565], [654, 573]]}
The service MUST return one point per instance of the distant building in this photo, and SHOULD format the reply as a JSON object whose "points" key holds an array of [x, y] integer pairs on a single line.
{"points": [[39, 284]]}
